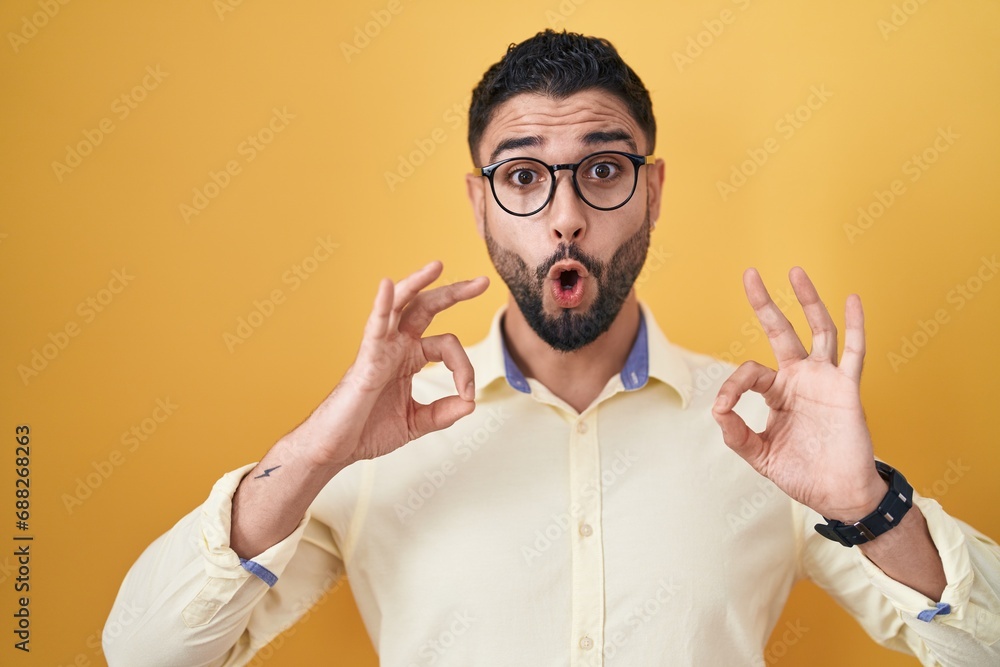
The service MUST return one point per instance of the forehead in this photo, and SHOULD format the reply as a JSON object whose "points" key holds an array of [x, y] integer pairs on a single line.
{"points": [[553, 125]]}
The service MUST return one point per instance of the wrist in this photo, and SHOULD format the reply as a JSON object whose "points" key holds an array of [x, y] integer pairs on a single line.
{"points": [[913, 521], [888, 513], [868, 501], [318, 461]]}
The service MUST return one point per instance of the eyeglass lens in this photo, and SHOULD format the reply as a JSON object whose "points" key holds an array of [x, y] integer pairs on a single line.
{"points": [[605, 180]]}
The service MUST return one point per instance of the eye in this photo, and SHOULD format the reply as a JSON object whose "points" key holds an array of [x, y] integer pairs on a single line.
{"points": [[603, 170], [522, 174]]}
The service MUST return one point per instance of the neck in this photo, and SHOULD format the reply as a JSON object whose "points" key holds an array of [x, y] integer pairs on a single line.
{"points": [[576, 377]]}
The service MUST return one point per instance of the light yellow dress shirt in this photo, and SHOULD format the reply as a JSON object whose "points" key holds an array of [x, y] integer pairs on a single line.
{"points": [[530, 534]]}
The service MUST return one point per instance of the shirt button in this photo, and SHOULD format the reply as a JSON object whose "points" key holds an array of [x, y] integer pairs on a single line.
{"points": [[581, 427], [586, 530], [586, 643]]}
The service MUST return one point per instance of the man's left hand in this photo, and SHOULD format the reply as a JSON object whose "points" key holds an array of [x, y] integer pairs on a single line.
{"points": [[816, 446]]}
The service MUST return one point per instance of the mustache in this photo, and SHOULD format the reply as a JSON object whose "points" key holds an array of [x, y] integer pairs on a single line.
{"points": [[572, 251]]}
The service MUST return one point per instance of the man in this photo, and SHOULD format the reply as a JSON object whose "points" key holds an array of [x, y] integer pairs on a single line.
{"points": [[586, 509]]}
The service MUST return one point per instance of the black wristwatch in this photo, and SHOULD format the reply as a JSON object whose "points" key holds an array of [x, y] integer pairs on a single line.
{"points": [[887, 515]]}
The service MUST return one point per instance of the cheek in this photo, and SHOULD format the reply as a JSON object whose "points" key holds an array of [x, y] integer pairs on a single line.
{"points": [[523, 238], [633, 215]]}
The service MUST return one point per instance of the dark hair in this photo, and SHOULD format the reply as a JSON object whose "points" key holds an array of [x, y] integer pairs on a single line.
{"points": [[559, 65]]}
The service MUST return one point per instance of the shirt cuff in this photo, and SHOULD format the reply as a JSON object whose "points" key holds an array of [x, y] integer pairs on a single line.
{"points": [[951, 545], [216, 523]]}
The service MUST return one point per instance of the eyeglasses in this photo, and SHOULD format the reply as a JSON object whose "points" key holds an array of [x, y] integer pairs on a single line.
{"points": [[523, 186]]}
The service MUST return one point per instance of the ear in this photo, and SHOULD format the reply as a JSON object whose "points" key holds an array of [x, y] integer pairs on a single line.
{"points": [[475, 188], [654, 189]]}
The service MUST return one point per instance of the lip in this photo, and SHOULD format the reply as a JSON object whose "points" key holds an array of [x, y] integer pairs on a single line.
{"points": [[567, 265], [572, 297]]}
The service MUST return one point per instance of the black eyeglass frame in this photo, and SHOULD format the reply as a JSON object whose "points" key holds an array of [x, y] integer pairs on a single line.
{"points": [[637, 160]]}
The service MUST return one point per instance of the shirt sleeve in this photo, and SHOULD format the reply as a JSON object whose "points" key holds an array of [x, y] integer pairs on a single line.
{"points": [[190, 600], [964, 630]]}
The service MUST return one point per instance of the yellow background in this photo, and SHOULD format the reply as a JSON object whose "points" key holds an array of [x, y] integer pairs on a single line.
{"points": [[356, 116]]}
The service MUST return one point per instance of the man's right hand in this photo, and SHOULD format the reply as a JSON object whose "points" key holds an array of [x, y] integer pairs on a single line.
{"points": [[371, 412]]}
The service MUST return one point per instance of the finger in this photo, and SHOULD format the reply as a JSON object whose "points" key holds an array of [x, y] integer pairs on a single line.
{"points": [[410, 286], [824, 331], [427, 304], [740, 438], [750, 376], [854, 338], [378, 319], [440, 414], [784, 341], [446, 348]]}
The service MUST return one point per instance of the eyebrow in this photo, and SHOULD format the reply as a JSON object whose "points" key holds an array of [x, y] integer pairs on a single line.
{"points": [[533, 141], [609, 137], [589, 139]]}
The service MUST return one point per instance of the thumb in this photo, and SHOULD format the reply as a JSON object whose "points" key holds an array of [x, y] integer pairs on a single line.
{"points": [[440, 414]]}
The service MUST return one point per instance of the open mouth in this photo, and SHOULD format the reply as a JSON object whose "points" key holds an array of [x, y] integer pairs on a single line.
{"points": [[567, 281]]}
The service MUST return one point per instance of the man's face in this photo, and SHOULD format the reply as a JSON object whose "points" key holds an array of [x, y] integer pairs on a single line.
{"points": [[569, 267]]}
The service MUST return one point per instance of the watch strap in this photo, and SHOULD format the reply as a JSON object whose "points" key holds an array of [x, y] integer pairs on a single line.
{"points": [[894, 506]]}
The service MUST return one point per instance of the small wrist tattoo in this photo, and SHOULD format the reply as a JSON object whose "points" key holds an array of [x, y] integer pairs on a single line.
{"points": [[267, 472]]}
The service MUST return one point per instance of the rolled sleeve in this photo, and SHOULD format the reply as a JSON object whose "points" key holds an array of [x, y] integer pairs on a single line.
{"points": [[216, 524], [953, 550], [190, 599], [963, 630], [226, 571]]}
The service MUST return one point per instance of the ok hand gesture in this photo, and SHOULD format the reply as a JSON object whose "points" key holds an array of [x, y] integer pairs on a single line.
{"points": [[371, 412], [816, 446]]}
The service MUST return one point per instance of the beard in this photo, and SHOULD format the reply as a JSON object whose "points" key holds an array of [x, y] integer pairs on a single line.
{"points": [[569, 331]]}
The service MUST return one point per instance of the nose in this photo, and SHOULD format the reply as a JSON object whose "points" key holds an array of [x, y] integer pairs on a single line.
{"points": [[566, 213]]}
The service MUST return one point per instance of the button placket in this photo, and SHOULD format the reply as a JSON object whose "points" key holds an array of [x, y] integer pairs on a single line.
{"points": [[587, 548]]}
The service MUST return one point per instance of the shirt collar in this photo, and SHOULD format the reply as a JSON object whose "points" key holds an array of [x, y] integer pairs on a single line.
{"points": [[651, 356]]}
